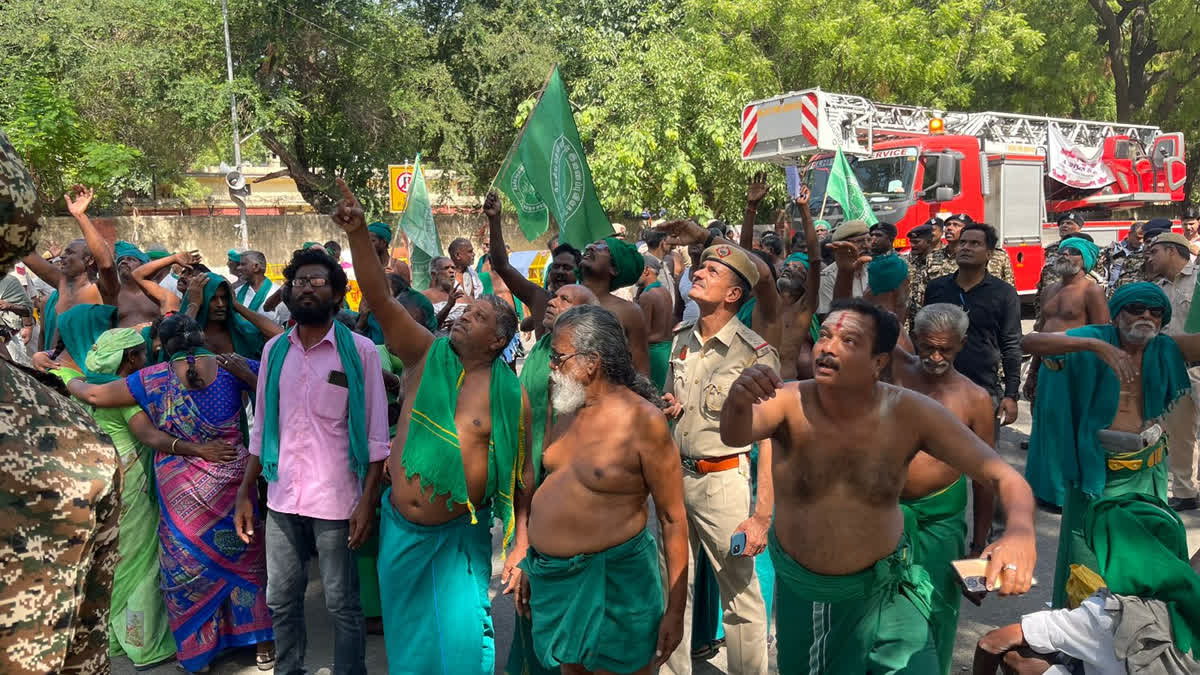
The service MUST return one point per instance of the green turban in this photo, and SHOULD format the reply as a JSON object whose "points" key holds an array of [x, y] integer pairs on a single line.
{"points": [[157, 254], [798, 257], [109, 349], [124, 249], [819, 223], [885, 273], [310, 244], [236, 256], [628, 262], [1143, 292], [1087, 249], [1141, 548], [381, 230]]}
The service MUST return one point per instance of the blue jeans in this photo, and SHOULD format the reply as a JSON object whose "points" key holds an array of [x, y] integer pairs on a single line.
{"points": [[291, 542]]}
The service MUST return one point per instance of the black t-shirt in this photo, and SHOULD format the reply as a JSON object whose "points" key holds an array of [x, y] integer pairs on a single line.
{"points": [[994, 335]]}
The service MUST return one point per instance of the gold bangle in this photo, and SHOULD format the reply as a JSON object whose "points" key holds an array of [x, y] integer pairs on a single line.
{"points": [[173, 444]]}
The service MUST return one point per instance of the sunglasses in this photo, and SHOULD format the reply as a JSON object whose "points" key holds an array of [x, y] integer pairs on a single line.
{"points": [[1138, 309], [557, 359]]}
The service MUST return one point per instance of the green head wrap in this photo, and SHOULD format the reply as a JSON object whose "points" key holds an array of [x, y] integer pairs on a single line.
{"points": [[381, 230], [236, 256], [124, 249], [157, 254], [818, 223], [109, 349], [886, 273], [1143, 292], [797, 257], [247, 340], [310, 244], [627, 260], [1141, 548], [1087, 249]]}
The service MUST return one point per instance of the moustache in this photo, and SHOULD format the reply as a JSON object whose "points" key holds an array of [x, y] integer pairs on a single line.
{"points": [[1149, 325], [826, 361], [937, 367]]}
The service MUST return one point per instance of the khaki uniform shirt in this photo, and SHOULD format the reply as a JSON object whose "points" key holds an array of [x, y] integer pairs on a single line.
{"points": [[1179, 292], [700, 377]]}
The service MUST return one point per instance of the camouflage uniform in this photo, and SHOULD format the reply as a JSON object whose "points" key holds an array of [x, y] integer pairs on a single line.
{"points": [[1133, 271], [60, 482], [942, 263], [918, 276]]}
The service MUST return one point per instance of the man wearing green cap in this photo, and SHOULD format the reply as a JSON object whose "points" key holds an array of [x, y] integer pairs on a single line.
{"points": [[1073, 301], [62, 502], [75, 275], [380, 235], [134, 308], [1124, 402], [1143, 620], [610, 264]]}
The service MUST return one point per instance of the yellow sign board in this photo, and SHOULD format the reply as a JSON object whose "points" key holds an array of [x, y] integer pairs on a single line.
{"points": [[399, 180]]}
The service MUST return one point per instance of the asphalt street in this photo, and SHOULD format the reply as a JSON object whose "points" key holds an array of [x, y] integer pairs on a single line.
{"points": [[973, 622]]}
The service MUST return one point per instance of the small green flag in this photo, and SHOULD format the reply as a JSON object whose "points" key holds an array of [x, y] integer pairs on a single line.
{"points": [[843, 188], [417, 223], [546, 170]]}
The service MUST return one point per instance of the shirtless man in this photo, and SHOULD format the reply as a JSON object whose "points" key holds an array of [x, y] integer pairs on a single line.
{"points": [[455, 462], [1114, 436], [134, 309], [844, 442], [447, 298], [934, 493], [799, 286], [610, 264], [654, 299], [1076, 300], [603, 613], [72, 276]]}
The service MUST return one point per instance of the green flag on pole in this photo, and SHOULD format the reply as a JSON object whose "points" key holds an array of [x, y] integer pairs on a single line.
{"points": [[843, 188], [546, 171], [417, 223]]}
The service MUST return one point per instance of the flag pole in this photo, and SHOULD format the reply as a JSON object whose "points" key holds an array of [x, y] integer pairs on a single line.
{"points": [[517, 142]]}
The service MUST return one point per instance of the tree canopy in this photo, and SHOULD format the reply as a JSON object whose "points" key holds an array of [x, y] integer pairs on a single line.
{"points": [[119, 93]]}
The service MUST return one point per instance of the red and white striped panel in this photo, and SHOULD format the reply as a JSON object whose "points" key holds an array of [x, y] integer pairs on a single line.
{"points": [[809, 126], [749, 129]]}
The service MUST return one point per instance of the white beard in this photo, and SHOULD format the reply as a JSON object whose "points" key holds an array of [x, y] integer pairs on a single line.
{"points": [[567, 394]]}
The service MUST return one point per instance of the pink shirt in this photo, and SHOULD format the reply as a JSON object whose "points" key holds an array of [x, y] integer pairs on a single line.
{"points": [[315, 478]]}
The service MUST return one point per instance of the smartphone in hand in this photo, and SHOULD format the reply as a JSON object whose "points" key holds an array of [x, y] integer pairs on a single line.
{"points": [[737, 543]]}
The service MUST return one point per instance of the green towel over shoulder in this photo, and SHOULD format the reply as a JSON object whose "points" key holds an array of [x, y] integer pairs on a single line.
{"points": [[431, 449]]}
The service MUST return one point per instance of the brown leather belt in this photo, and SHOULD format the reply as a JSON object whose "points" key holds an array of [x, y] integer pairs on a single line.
{"points": [[712, 465]]}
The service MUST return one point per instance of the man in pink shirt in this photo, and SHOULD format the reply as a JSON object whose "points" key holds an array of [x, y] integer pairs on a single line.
{"points": [[320, 439]]}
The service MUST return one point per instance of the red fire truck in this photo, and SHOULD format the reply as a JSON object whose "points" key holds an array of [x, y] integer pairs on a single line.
{"points": [[1015, 172]]}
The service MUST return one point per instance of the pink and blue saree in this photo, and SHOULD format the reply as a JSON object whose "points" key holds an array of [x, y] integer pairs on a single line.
{"points": [[214, 584]]}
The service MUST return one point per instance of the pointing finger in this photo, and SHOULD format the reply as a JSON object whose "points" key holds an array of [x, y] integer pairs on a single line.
{"points": [[345, 190]]}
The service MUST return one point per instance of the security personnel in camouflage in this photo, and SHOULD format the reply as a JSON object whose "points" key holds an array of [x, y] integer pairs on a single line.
{"points": [[1134, 269], [1069, 225], [920, 240], [942, 260], [60, 486]]}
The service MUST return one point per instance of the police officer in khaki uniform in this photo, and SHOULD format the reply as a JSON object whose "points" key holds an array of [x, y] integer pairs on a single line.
{"points": [[707, 355]]}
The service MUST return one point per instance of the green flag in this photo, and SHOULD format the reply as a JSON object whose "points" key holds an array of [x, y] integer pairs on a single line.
{"points": [[546, 170], [417, 223], [843, 188]]}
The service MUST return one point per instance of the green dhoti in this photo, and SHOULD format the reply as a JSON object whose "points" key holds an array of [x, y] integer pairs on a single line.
{"points": [[1141, 471], [940, 525], [660, 361], [600, 610], [437, 618], [875, 621]]}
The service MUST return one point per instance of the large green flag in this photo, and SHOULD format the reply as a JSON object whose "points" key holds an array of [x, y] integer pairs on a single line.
{"points": [[417, 223], [843, 188], [546, 170]]}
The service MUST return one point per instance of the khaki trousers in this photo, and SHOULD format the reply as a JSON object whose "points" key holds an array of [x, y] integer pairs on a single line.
{"points": [[716, 504], [1182, 456]]}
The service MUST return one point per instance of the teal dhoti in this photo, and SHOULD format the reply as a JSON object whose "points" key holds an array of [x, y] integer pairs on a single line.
{"points": [[437, 618], [874, 621]]}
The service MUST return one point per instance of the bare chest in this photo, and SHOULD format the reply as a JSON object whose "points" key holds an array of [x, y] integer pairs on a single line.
{"points": [[596, 461], [866, 462]]}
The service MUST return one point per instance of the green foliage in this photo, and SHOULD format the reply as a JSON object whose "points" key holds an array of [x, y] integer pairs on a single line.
{"points": [[117, 92]]}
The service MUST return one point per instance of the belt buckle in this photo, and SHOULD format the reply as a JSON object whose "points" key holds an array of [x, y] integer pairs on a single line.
{"points": [[690, 463]]}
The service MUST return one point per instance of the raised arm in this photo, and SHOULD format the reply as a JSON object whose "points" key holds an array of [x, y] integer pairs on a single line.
{"points": [[108, 282], [946, 438], [765, 290], [408, 339], [812, 283], [115, 394], [534, 296], [753, 409], [143, 275], [266, 326], [44, 269]]}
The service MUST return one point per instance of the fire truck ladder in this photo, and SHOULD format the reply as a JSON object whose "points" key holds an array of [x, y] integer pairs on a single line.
{"points": [[862, 122]]}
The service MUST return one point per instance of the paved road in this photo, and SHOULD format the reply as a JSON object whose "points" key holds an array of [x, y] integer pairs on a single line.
{"points": [[973, 622]]}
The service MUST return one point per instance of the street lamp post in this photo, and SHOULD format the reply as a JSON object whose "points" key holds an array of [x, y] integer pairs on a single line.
{"points": [[237, 145]]}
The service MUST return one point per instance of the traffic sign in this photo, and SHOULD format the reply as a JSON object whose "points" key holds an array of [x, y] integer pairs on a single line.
{"points": [[399, 181]]}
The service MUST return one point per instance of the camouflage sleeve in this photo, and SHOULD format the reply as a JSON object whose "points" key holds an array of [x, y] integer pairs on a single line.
{"points": [[88, 651]]}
